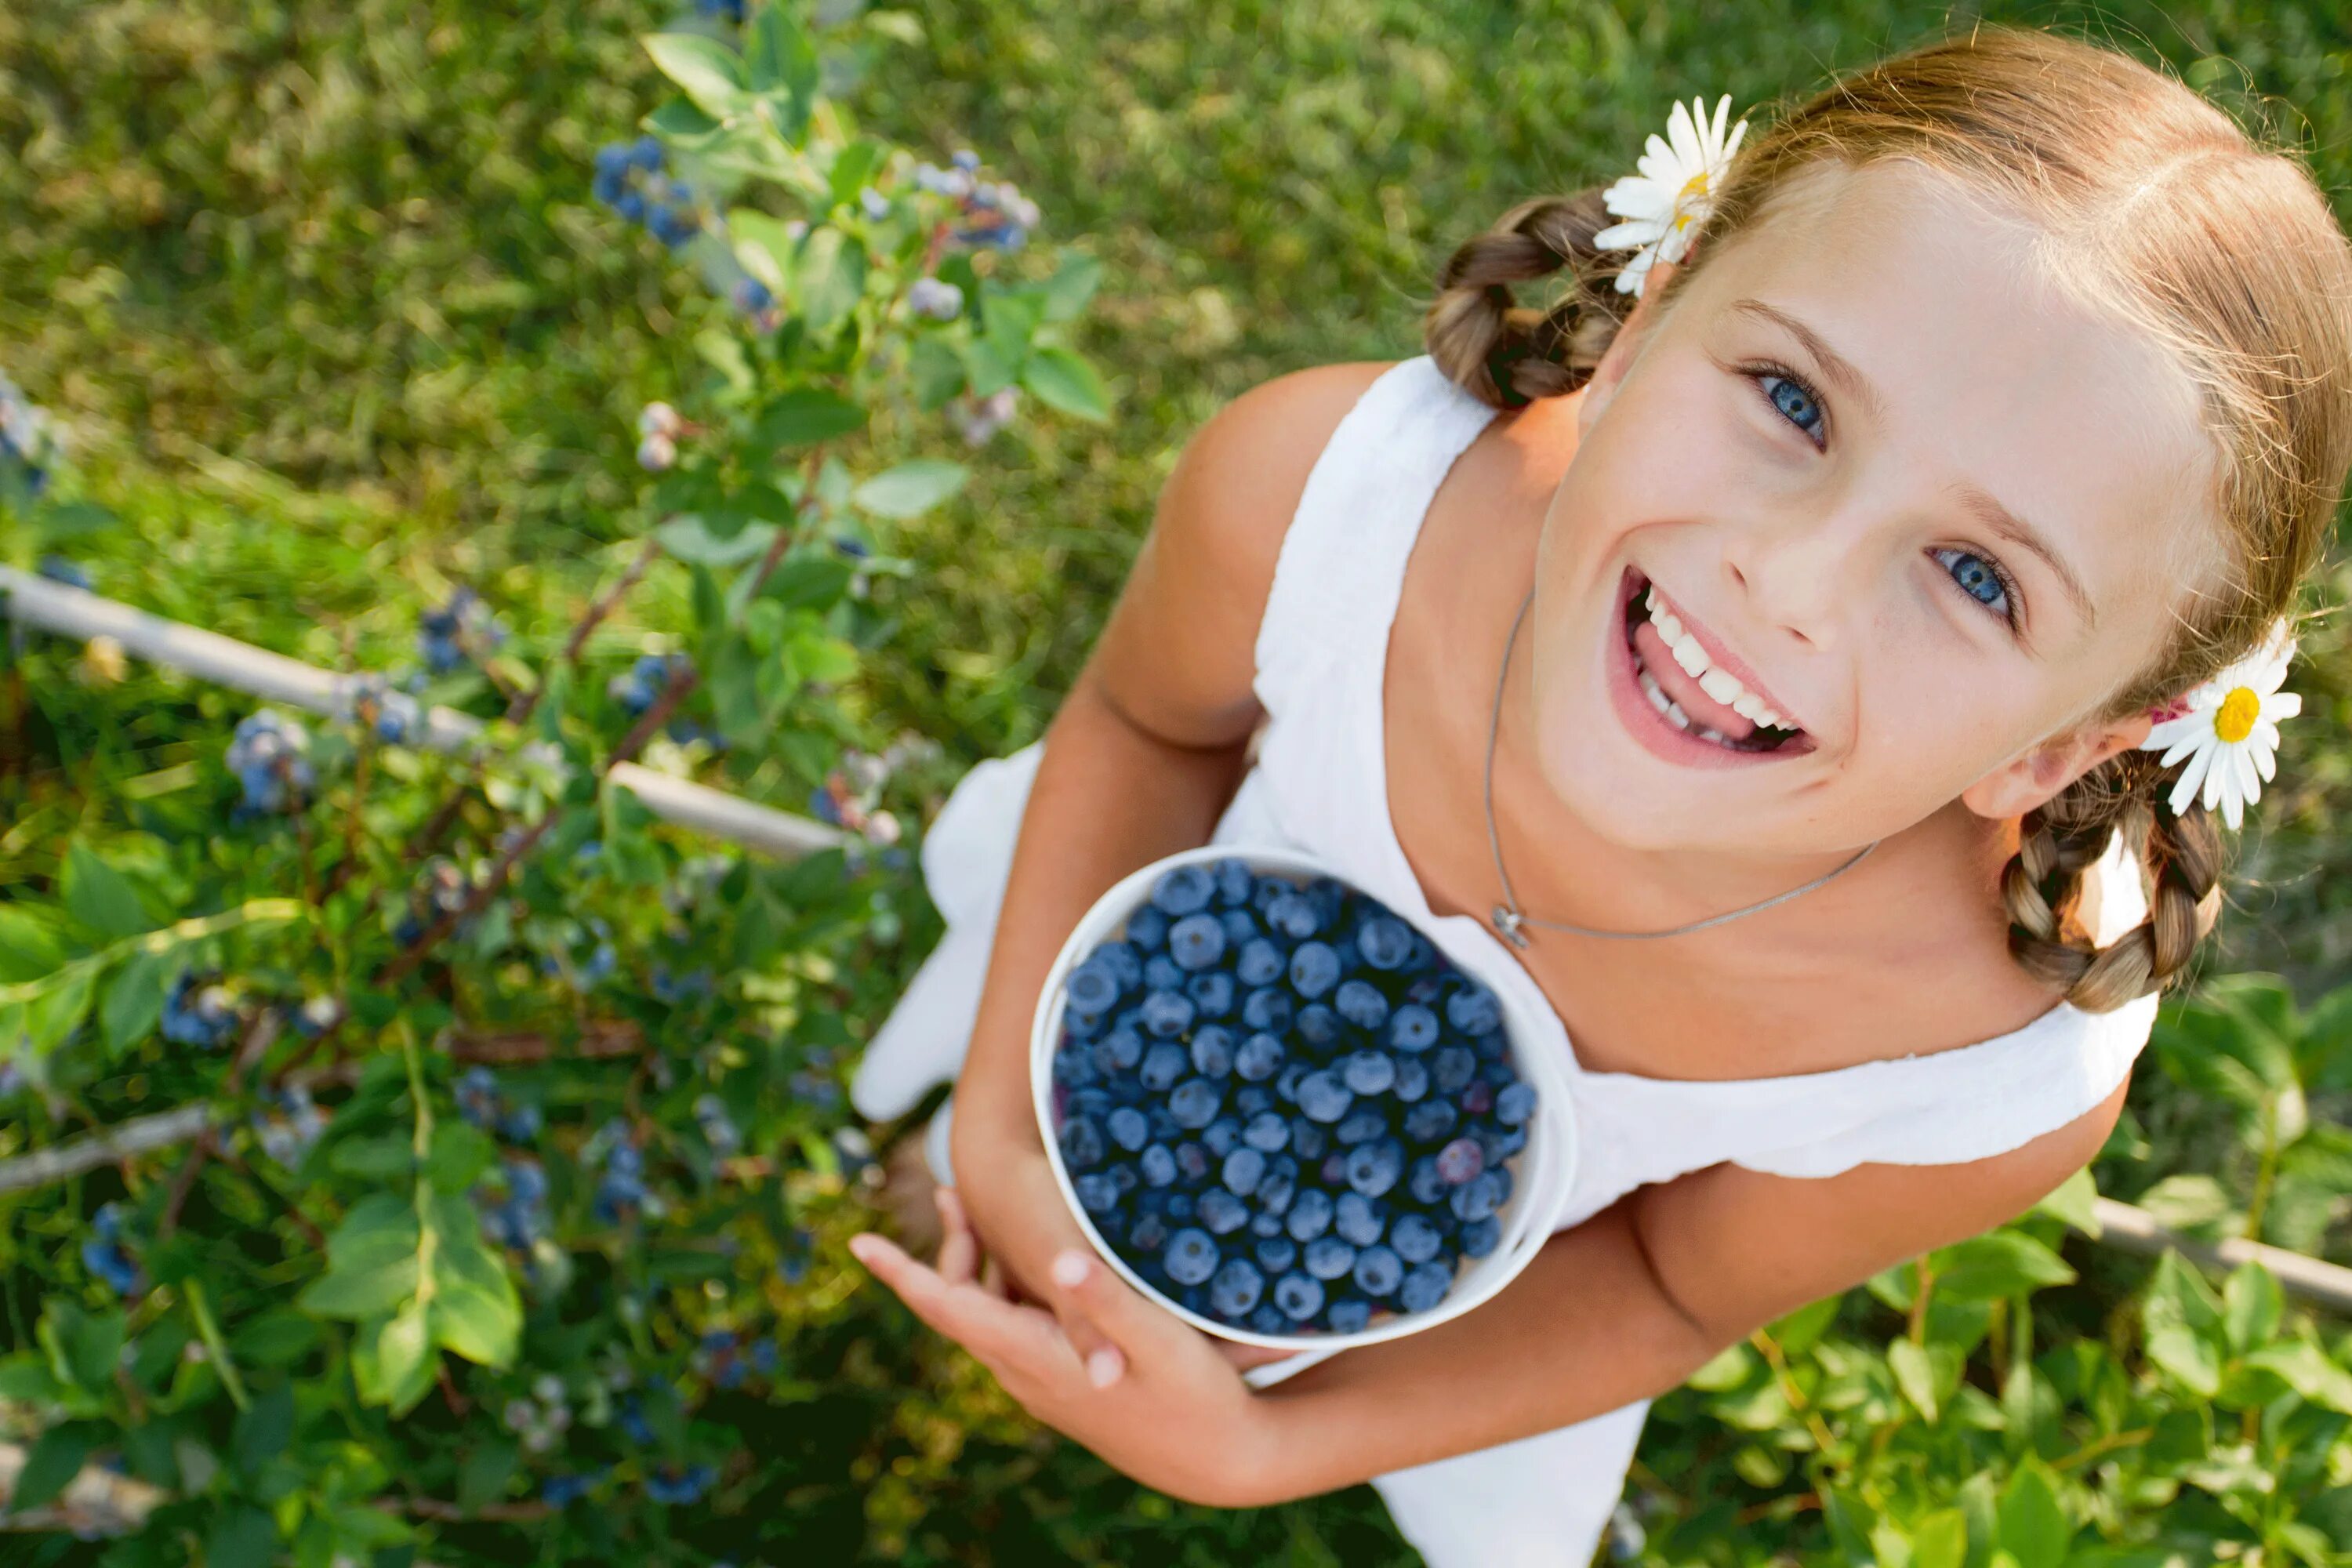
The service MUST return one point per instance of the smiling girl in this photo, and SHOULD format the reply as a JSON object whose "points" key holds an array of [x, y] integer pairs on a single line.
{"points": [[1753, 684]]}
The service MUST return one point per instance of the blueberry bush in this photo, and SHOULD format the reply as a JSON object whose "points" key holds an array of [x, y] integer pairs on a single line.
{"points": [[382, 336]]}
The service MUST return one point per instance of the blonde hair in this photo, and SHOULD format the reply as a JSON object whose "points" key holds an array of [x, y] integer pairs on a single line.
{"points": [[2222, 250]]}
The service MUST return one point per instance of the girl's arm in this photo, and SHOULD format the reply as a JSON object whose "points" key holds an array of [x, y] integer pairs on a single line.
{"points": [[1631, 1302], [1138, 764]]}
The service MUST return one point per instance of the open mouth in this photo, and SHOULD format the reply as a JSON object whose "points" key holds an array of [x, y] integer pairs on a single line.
{"points": [[1689, 695]]}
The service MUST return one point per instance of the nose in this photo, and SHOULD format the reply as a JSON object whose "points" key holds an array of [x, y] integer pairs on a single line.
{"points": [[1798, 573]]}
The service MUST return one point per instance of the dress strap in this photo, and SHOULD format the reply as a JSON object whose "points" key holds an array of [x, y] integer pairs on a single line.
{"points": [[1342, 557]]}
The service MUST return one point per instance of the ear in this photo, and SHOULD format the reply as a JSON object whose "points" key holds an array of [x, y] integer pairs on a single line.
{"points": [[2017, 787], [1626, 346]]}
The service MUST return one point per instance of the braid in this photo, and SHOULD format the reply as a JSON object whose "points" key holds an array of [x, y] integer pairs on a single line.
{"points": [[2043, 879], [1503, 353]]}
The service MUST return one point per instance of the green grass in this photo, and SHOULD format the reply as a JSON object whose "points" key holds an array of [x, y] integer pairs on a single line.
{"points": [[322, 293]]}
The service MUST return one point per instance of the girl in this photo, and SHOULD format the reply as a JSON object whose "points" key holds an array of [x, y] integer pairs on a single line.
{"points": [[1810, 620]]}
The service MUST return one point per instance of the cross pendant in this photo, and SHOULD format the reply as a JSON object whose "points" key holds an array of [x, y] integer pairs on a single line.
{"points": [[1508, 923]]}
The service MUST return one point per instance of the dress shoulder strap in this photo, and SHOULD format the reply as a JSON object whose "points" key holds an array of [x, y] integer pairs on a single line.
{"points": [[1343, 555]]}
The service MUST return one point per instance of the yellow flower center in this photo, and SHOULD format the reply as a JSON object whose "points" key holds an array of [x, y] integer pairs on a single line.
{"points": [[2235, 720], [1694, 186]]}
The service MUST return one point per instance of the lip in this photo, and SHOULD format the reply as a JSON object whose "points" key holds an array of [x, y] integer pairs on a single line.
{"points": [[1723, 659], [1651, 728]]}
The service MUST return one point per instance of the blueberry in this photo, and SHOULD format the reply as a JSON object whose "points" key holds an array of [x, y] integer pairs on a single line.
{"points": [[1128, 1128], [1161, 973], [1360, 1002], [1359, 1219], [1212, 992], [1096, 1192], [1508, 1144], [1430, 1121], [1299, 1297], [1360, 1125], [1082, 1143], [1222, 1136], [1412, 1080], [1259, 1058], [1236, 881], [1163, 1064], [1425, 1285], [1090, 1103], [1147, 929], [1184, 890], [1368, 1072], [1268, 1008], [1329, 1258], [1314, 969], [1318, 1024], [1193, 1103], [1164, 1127], [1222, 1212], [1479, 1197], [1286, 1081], [1310, 1214], [1474, 1009], [1123, 962], [1453, 1069], [1076, 1069], [1193, 1161], [1333, 1172], [1323, 1097], [1295, 916], [1413, 1027], [1481, 1236], [1378, 1271], [1478, 1099], [1180, 1207], [1349, 1316], [1191, 1257], [1373, 1168], [1196, 941], [1123, 1175], [1307, 1141], [1243, 1170], [1415, 1237], [1235, 1288], [1119, 1050], [1261, 962], [1267, 1132], [1385, 942], [1212, 1050], [1093, 987], [1081, 1025], [1423, 1182], [1167, 1013], [1269, 1319], [1461, 1162], [1278, 1186], [1276, 1253]]}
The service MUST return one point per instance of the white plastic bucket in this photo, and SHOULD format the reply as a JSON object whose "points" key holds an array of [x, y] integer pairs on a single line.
{"points": [[1543, 1174]]}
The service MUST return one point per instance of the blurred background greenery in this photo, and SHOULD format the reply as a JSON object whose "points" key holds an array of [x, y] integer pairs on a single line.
{"points": [[321, 294]]}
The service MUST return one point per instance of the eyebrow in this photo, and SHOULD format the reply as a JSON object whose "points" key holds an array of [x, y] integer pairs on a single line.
{"points": [[1980, 502]]}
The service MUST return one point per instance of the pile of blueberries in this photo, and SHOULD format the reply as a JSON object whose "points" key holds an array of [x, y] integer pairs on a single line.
{"points": [[1282, 1105]]}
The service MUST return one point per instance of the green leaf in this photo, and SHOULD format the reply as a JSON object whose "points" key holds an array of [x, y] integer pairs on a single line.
{"points": [[1072, 285], [807, 415], [1727, 1369], [460, 1152], [1062, 380], [764, 247], [50, 1017], [691, 539], [134, 999], [779, 53], [1010, 319], [2188, 1203], [100, 897], [1915, 1374], [376, 1158], [1798, 1331], [84, 1347], [2072, 1201], [31, 945], [678, 121], [27, 1379], [911, 489], [2187, 1355], [2033, 1527], [476, 1324], [55, 1459], [2325, 1050], [61, 520], [937, 372], [264, 1429], [2002, 1264], [372, 1261], [987, 370], [2309, 1372], [833, 279], [275, 1338], [710, 603], [1940, 1540], [708, 71], [404, 1358], [808, 582], [482, 1478], [2251, 1305], [242, 1537]]}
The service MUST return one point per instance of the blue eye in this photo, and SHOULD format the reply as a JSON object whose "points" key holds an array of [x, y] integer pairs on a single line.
{"points": [[1795, 401], [1980, 580]]}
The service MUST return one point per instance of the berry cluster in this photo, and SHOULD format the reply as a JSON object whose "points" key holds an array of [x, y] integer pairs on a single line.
{"points": [[540, 1422], [445, 891], [583, 971], [287, 1139], [996, 213], [465, 627], [851, 794], [270, 755], [563, 1491], [981, 418], [647, 679], [199, 1012], [719, 1129], [941, 302], [102, 1252], [369, 699], [482, 1105], [630, 180], [677, 990], [676, 1484], [518, 1220], [621, 1187], [30, 441], [721, 1359], [1282, 1105], [659, 428]]}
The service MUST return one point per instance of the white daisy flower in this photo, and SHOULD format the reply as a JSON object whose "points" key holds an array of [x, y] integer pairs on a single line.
{"points": [[1664, 204], [2229, 731]]}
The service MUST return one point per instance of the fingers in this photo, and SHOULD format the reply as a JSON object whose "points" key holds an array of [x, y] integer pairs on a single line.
{"points": [[959, 1250], [1243, 1357], [1022, 1341], [1128, 1325]]}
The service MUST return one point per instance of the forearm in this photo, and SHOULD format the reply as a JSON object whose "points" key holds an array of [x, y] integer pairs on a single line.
{"points": [[1106, 798], [1584, 1330]]}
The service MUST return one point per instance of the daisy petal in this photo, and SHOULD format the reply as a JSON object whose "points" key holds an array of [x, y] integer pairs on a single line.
{"points": [[2185, 789], [2282, 705], [2250, 784]]}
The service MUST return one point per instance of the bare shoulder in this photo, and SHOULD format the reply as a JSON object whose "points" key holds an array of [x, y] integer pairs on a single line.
{"points": [[1735, 1248], [1178, 655]]}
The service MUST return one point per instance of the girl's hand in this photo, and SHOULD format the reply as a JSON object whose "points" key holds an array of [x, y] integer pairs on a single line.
{"points": [[1173, 1411]]}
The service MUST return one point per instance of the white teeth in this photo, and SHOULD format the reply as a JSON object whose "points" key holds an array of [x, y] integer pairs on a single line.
{"points": [[1720, 684]]}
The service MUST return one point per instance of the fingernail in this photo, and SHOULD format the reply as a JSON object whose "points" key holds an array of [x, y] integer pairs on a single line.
{"points": [[1104, 1366], [863, 1245], [1070, 1269]]}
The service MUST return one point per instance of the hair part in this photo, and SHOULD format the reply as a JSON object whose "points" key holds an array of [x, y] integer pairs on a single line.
{"points": [[2167, 217]]}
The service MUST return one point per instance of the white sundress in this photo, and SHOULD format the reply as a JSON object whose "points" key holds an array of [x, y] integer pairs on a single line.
{"points": [[1319, 783]]}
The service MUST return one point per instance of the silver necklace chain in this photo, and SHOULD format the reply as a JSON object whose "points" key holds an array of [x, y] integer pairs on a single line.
{"points": [[1508, 915]]}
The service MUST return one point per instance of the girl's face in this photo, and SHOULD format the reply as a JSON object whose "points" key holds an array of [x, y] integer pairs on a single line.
{"points": [[1889, 482]]}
